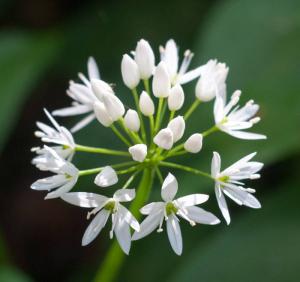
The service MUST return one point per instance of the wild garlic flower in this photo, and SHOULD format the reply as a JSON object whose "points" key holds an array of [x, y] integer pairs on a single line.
{"points": [[228, 182], [103, 207], [154, 132], [83, 97], [169, 209]]}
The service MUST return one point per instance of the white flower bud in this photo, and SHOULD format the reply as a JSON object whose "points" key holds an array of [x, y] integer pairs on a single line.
{"points": [[138, 152], [211, 81], [107, 177], [194, 143], [144, 58], [146, 104], [114, 106], [130, 72], [161, 83], [101, 88], [132, 121], [164, 139], [102, 114], [177, 126], [176, 98]]}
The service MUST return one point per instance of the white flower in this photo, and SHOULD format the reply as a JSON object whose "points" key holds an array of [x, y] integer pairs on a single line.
{"points": [[161, 84], [132, 121], [169, 54], [114, 106], [229, 182], [146, 104], [177, 126], [164, 139], [57, 135], [101, 88], [107, 177], [102, 115], [212, 81], [144, 58], [130, 72], [234, 121], [168, 210], [194, 143], [138, 152], [103, 206], [176, 98], [65, 178], [83, 97]]}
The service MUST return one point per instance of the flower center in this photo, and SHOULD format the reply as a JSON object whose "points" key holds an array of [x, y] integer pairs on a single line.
{"points": [[110, 206], [224, 178], [171, 208]]}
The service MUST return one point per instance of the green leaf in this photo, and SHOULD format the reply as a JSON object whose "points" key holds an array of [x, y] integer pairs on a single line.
{"points": [[24, 57]]}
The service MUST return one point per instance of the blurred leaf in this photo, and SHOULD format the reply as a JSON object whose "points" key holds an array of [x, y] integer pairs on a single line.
{"points": [[260, 247], [23, 59], [9, 274]]}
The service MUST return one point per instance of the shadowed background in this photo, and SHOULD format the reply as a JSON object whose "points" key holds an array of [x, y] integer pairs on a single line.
{"points": [[43, 44]]}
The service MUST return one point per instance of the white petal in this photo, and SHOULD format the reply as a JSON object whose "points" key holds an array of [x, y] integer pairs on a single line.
{"points": [[170, 57], [246, 135], [219, 109], [138, 152], [130, 72], [222, 204], [84, 200], [177, 126], [199, 215], [107, 177], [100, 88], [146, 104], [192, 200], [176, 98], [93, 70], [72, 111], [190, 75], [123, 235], [144, 58], [174, 234], [169, 188], [102, 114], [164, 139], [114, 106], [83, 123], [152, 208], [148, 225], [161, 84], [129, 218], [61, 190], [95, 227], [124, 195], [194, 143], [49, 182], [132, 121], [215, 164]]}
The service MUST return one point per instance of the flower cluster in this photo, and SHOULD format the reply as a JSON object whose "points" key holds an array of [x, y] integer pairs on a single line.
{"points": [[151, 133]]}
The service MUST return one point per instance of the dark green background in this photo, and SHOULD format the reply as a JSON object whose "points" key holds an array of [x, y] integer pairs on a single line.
{"points": [[45, 43]]}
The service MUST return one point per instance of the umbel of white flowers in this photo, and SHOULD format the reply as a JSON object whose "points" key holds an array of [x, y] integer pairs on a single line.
{"points": [[155, 133]]}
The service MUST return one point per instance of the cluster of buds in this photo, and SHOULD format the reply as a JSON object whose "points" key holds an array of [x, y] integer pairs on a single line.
{"points": [[153, 133]]}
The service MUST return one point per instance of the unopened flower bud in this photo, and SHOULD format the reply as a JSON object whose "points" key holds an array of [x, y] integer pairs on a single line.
{"points": [[101, 88], [138, 152], [211, 81], [161, 83], [114, 106], [132, 121], [176, 98], [144, 58], [164, 139], [177, 126], [102, 114], [130, 72], [194, 143], [146, 104], [107, 177]]}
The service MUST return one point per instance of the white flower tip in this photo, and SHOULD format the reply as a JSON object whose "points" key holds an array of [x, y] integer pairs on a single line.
{"points": [[102, 115], [100, 88], [161, 83], [144, 57], [130, 72], [164, 139], [194, 143], [138, 152], [107, 177], [176, 98], [254, 176], [113, 105], [255, 120], [146, 104], [177, 126], [132, 121]]}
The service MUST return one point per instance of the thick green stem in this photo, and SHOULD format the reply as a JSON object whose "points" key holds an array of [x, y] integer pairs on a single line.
{"points": [[192, 108], [87, 149], [110, 268]]}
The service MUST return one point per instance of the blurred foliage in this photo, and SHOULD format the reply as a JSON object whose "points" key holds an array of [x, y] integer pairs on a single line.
{"points": [[260, 41]]}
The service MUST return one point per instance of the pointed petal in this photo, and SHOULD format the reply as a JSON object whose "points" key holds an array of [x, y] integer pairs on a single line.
{"points": [[95, 227], [93, 70], [215, 164], [152, 207], [107, 177], [72, 111], [174, 234], [123, 235], [83, 123], [192, 200], [129, 218], [61, 191], [246, 135], [190, 75], [169, 188], [201, 216], [124, 195], [84, 200], [222, 204]]}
